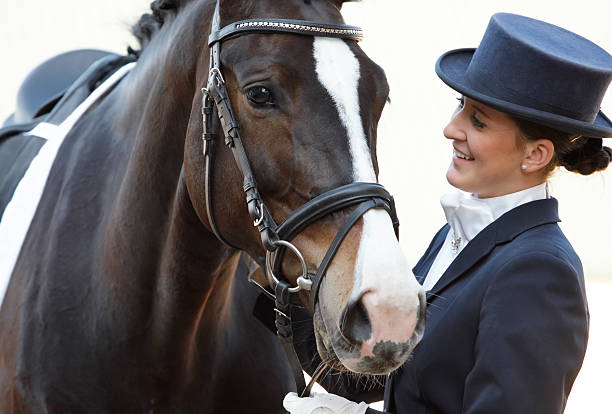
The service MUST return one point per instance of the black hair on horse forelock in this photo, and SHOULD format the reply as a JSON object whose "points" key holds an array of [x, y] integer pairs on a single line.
{"points": [[150, 23]]}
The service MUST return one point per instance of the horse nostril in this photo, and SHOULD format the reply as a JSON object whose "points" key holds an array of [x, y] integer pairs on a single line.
{"points": [[355, 322]]}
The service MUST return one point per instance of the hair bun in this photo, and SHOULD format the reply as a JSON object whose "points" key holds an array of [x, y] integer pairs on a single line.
{"points": [[588, 159]]}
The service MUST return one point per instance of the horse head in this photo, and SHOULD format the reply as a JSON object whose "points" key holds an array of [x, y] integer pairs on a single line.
{"points": [[307, 109]]}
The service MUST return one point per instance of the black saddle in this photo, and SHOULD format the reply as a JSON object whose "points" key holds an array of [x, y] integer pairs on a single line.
{"points": [[46, 84], [49, 93]]}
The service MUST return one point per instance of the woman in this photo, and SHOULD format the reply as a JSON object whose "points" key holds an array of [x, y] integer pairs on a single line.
{"points": [[507, 320]]}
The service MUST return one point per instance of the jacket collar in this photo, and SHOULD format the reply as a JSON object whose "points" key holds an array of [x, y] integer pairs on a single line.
{"points": [[502, 230]]}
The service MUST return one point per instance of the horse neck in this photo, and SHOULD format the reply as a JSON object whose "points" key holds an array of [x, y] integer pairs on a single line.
{"points": [[175, 262], [194, 275]]}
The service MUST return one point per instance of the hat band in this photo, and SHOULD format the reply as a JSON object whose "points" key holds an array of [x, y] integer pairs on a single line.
{"points": [[488, 86]]}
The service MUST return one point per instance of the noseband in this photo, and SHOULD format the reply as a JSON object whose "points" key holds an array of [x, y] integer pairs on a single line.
{"points": [[275, 238]]}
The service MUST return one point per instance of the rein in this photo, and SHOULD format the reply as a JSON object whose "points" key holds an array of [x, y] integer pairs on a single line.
{"points": [[275, 238]]}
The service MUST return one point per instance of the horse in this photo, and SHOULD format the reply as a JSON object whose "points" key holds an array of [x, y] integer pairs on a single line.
{"points": [[122, 296]]}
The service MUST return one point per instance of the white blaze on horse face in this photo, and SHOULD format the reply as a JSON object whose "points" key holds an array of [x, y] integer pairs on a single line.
{"points": [[382, 274], [338, 70]]}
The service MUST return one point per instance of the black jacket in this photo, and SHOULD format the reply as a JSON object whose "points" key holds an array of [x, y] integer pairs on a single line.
{"points": [[507, 323]]}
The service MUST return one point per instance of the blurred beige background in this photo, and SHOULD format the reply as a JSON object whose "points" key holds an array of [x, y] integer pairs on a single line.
{"points": [[405, 38]]}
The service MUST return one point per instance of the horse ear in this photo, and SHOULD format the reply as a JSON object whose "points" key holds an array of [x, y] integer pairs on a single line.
{"points": [[232, 10], [339, 3]]}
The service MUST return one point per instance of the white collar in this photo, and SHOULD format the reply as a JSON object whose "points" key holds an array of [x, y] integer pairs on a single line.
{"points": [[468, 215]]}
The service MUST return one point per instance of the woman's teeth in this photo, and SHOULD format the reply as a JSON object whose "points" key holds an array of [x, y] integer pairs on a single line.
{"points": [[462, 156]]}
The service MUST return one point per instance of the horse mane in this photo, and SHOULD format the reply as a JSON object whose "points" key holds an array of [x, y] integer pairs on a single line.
{"points": [[150, 23]]}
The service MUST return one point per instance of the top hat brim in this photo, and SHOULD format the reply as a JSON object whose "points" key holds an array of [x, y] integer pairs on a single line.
{"points": [[451, 67]]}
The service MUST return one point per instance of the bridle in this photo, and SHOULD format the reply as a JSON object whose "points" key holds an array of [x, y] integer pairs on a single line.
{"points": [[274, 237]]}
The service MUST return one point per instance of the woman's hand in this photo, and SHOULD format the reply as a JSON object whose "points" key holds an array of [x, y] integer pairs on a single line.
{"points": [[322, 404]]}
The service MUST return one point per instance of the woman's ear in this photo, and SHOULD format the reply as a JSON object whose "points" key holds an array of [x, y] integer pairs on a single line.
{"points": [[538, 155]]}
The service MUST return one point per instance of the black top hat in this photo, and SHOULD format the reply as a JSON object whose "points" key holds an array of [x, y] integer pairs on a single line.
{"points": [[536, 71]]}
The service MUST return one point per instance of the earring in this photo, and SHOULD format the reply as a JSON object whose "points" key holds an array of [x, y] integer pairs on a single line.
{"points": [[523, 167]]}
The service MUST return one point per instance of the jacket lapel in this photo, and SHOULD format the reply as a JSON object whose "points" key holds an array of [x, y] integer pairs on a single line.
{"points": [[502, 230], [421, 269]]}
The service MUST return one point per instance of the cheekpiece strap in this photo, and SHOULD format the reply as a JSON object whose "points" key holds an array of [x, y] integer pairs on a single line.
{"points": [[302, 27]]}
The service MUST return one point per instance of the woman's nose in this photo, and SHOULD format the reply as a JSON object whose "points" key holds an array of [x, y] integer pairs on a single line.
{"points": [[454, 129]]}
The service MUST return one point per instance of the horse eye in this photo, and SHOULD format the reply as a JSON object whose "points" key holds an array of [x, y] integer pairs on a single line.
{"points": [[259, 95]]}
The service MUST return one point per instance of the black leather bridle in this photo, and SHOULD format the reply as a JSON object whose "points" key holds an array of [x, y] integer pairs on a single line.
{"points": [[276, 238]]}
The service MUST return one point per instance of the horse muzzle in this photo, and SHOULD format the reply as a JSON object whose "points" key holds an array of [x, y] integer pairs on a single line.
{"points": [[374, 333]]}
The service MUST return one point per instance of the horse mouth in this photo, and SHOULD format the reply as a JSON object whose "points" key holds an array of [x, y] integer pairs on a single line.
{"points": [[343, 355]]}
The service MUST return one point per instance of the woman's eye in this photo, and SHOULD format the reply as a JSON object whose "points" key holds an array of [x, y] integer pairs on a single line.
{"points": [[259, 95], [474, 118], [476, 122]]}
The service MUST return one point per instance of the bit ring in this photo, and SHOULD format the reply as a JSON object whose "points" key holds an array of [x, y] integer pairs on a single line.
{"points": [[303, 281]]}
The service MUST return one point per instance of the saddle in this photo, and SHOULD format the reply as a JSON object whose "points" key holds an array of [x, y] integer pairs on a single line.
{"points": [[46, 84], [49, 94]]}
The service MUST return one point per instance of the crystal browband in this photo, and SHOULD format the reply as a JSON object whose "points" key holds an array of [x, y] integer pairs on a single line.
{"points": [[301, 27], [288, 26]]}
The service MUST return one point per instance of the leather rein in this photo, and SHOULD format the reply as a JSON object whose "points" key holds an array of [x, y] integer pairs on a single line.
{"points": [[275, 238]]}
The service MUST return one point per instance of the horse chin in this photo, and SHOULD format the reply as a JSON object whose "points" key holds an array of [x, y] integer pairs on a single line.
{"points": [[340, 354]]}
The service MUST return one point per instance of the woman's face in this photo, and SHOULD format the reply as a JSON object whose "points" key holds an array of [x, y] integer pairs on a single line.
{"points": [[486, 155]]}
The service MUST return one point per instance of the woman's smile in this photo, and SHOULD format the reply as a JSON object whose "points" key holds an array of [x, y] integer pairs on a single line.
{"points": [[461, 155]]}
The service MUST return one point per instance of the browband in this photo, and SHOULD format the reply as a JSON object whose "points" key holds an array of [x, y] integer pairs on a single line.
{"points": [[303, 27]]}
